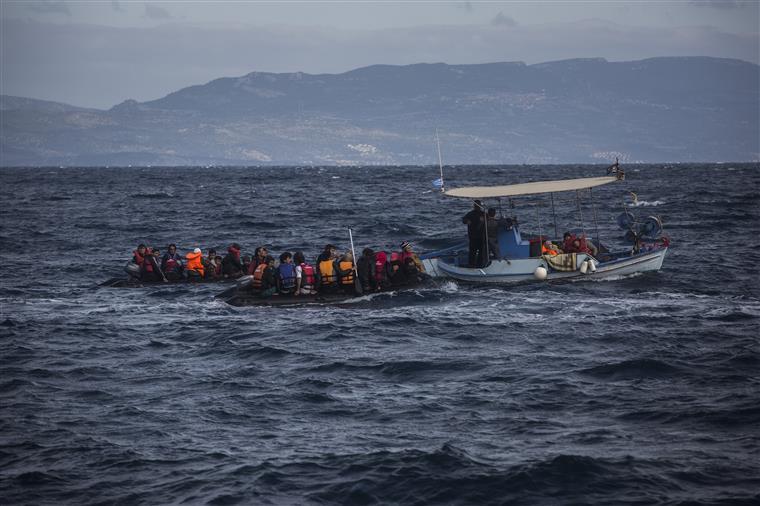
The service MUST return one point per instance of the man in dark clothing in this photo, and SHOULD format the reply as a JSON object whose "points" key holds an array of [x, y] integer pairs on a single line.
{"points": [[232, 267], [475, 221], [366, 267]]}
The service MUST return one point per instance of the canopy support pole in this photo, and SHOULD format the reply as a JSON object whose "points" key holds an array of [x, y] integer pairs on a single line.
{"points": [[540, 238], [554, 214], [596, 222], [580, 211]]}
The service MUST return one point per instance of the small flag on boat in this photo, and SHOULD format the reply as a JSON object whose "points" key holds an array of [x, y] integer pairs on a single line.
{"points": [[438, 182]]}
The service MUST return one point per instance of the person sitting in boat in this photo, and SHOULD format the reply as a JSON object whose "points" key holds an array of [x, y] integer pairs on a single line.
{"points": [[345, 271], [138, 259], [327, 272], [475, 221], [492, 229], [153, 263], [171, 263], [286, 275], [232, 267], [246, 261], [407, 252], [213, 266], [549, 248], [305, 275], [382, 271], [366, 268], [395, 273], [194, 265], [264, 281], [567, 242], [259, 255]]}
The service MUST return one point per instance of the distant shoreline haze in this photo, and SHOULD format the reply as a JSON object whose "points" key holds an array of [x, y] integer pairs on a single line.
{"points": [[658, 110]]}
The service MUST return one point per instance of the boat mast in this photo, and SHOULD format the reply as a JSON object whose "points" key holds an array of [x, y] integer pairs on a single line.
{"points": [[440, 160]]}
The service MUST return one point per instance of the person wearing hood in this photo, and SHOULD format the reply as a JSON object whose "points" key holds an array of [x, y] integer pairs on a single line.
{"points": [[232, 267], [171, 263], [194, 266], [366, 268]]}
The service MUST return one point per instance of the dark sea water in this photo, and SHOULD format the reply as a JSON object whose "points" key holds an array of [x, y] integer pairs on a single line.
{"points": [[631, 391]]}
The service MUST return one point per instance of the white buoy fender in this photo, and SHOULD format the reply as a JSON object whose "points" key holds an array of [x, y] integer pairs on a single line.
{"points": [[584, 267], [540, 273], [592, 265], [244, 281]]}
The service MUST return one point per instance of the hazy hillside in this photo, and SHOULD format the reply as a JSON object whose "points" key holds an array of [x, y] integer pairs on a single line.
{"points": [[662, 109]]}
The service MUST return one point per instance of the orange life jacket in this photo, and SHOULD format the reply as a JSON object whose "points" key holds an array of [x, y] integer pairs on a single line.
{"points": [[348, 279], [258, 276], [548, 251], [327, 272], [195, 262]]}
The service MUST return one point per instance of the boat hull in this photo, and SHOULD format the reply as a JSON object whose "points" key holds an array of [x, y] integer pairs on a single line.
{"points": [[522, 270]]}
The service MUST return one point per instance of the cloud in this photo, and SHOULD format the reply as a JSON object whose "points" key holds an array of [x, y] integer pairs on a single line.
{"points": [[467, 6], [720, 4], [49, 8], [156, 12], [115, 5], [501, 20]]}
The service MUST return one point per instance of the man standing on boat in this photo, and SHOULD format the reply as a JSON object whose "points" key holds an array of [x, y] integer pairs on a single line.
{"points": [[475, 221]]}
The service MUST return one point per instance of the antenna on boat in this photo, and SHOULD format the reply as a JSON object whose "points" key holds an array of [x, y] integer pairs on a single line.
{"points": [[440, 160]]}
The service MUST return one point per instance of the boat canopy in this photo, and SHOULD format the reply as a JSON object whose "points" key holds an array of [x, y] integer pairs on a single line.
{"points": [[512, 190]]}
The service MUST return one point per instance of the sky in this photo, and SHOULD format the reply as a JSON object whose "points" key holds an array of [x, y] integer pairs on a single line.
{"points": [[100, 53]]}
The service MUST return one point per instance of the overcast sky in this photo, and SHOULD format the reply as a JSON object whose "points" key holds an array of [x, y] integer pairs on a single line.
{"points": [[97, 54]]}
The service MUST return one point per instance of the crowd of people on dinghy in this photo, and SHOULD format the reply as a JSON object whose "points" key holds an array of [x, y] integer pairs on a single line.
{"points": [[291, 275]]}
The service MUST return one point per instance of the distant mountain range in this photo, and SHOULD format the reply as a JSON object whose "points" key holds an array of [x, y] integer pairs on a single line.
{"points": [[572, 111]]}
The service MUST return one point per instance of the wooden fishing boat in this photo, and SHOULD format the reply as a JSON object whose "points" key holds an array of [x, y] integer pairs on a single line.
{"points": [[521, 260]]}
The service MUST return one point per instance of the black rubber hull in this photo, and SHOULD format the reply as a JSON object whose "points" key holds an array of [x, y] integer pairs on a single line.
{"points": [[244, 297], [136, 283]]}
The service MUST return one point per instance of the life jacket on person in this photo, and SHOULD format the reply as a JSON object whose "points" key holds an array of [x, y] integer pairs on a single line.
{"points": [[380, 260], [403, 255], [548, 251], [567, 245], [172, 263], [346, 279], [258, 276], [287, 273], [148, 261], [307, 276], [327, 272], [138, 258], [195, 263], [582, 245], [395, 263]]}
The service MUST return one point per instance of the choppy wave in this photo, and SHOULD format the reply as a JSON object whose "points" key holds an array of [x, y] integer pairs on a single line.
{"points": [[635, 390]]}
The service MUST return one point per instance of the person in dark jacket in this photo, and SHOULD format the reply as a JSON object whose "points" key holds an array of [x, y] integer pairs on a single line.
{"points": [[492, 228], [152, 266], [232, 267], [171, 263], [366, 267], [475, 221]]}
